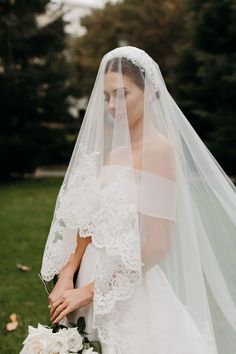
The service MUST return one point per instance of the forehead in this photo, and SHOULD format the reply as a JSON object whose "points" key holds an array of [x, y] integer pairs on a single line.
{"points": [[114, 80]]}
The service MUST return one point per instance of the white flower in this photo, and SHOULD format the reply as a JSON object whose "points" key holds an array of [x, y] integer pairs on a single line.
{"points": [[35, 343], [75, 341], [89, 351], [42, 340], [57, 343], [39, 330]]}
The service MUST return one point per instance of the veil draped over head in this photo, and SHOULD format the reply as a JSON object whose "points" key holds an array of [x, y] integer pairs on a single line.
{"points": [[147, 190]]}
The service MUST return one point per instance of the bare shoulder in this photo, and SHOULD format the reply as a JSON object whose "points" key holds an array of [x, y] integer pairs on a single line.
{"points": [[161, 145], [161, 157], [117, 154]]}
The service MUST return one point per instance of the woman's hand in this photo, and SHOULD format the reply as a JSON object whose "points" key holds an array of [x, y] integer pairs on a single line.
{"points": [[65, 282], [71, 300]]}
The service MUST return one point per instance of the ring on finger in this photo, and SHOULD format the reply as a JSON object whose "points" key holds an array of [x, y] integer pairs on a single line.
{"points": [[61, 307]]}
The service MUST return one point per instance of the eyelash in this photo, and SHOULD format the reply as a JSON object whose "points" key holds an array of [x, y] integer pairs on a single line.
{"points": [[106, 98]]}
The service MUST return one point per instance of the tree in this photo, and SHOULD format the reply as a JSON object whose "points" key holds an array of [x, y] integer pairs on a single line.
{"points": [[152, 25], [206, 77], [34, 86]]}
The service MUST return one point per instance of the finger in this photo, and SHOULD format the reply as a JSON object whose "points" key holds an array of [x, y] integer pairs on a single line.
{"points": [[52, 308], [62, 315], [51, 299], [58, 310], [55, 304]]}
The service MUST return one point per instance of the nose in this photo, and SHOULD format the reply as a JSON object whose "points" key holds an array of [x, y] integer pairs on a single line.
{"points": [[112, 105]]}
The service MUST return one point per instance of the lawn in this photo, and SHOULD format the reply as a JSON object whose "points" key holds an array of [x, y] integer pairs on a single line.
{"points": [[26, 209]]}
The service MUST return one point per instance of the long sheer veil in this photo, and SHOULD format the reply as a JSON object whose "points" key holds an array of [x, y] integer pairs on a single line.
{"points": [[178, 214]]}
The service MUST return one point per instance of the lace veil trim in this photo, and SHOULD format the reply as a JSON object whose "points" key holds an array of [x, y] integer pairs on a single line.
{"points": [[138, 57], [111, 219]]}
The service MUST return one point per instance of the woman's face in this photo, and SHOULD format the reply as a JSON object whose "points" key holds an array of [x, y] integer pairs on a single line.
{"points": [[133, 95]]}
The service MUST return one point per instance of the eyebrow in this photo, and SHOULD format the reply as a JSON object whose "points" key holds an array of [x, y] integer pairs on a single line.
{"points": [[125, 88]]}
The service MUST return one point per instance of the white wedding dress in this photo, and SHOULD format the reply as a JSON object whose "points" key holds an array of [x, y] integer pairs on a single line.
{"points": [[172, 329], [177, 212], [162, 320]]}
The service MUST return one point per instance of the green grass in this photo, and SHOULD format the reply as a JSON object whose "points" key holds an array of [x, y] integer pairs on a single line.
{"points": [[26, 209]]}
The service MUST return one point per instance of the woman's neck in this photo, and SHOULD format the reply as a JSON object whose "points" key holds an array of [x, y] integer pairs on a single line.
{"points": [[136, 132]]}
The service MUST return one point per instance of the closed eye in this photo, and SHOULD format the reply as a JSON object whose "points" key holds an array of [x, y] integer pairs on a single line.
{"points": [[106, 97], [120, 92]]}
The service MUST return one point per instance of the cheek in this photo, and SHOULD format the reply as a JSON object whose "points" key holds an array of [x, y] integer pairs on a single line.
{"points": [[134, 106]]}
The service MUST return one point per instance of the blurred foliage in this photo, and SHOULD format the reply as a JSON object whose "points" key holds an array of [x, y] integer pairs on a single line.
{"points": [[153, 25], [42, 70], [34, 86], [193, 43], [205, 77], [25, 216]]}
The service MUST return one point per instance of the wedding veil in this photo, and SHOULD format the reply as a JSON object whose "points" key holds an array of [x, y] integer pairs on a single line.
{"points": [[145, 187]]}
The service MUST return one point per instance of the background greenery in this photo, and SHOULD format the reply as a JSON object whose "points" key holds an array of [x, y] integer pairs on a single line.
{"points": [[35, 86], [42, 69], [25, 216], [193, 43]]}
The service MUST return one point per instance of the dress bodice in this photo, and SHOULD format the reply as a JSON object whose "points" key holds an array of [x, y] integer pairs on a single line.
{"points": [[153, 195]]}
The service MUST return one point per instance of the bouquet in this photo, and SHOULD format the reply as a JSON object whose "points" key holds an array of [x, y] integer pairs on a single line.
{"points": [[59, 339]]}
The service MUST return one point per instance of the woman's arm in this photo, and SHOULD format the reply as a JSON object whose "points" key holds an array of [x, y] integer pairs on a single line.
{"points": [[158, 241], [65, 279], [75, 258], [158, 232]]}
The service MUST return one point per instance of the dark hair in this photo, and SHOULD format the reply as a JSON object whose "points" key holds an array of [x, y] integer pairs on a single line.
{"points": [[128, 69], [134, 72]]}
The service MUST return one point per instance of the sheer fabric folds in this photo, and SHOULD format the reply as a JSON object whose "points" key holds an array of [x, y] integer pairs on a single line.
{"points": [[147, 190]]}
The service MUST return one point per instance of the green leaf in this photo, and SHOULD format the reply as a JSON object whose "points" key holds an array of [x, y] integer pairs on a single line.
{"points": [[57, 327], [81, 324], [86, 346], [86, 340], [73, 325], [96, 346]]}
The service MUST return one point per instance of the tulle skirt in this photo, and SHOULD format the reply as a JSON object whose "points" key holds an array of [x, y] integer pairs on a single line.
{"points": [[155, 321]]}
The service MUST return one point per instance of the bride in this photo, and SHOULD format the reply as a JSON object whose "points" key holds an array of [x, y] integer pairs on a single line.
{"points": [[143, 234]]}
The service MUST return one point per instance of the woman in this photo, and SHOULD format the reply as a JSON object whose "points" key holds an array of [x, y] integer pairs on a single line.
{"points": [[147, 218]]}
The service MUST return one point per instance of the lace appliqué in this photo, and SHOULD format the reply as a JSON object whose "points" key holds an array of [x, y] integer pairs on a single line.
{"points": [[138, 57], [114, 231], [110, 217], [76, 202]]}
